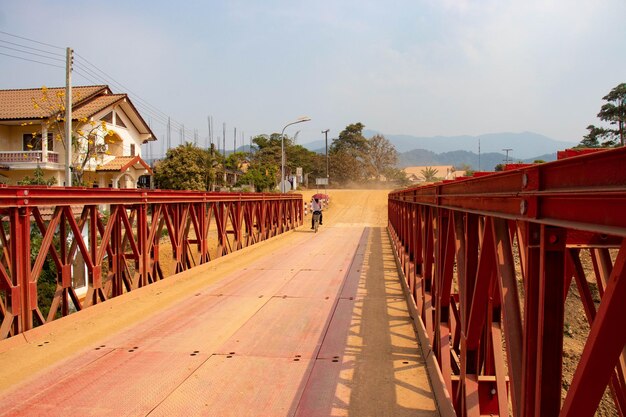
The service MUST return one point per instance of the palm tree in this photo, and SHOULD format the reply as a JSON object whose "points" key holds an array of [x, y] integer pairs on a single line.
{"points": [[429, 174]]}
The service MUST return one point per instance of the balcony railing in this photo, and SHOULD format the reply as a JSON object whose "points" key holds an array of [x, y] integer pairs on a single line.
{"points": [[26, 156]]}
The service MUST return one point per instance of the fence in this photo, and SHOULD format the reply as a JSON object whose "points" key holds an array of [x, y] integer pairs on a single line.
{"points": [[488, 265], [116, 236]]}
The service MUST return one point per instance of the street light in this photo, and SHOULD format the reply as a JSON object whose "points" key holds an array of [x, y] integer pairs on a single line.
{"points": [[282, 150], [325, 132]]}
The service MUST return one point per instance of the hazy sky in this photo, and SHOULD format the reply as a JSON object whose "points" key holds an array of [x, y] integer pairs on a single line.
{"points": [[419, 67]]}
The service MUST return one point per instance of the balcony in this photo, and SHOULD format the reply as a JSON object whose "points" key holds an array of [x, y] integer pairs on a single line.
{"points": [[16, 157]]}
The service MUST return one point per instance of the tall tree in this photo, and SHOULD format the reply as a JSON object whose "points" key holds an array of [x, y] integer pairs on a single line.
{"points": [[614, 111], [266, 160], [593, 138], [351, 139], [381, 155], [186, 167], [348, 154]]}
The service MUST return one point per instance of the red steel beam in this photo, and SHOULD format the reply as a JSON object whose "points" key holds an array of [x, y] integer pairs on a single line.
{"points": [[545, 215], [605, 346], [124, 243]]}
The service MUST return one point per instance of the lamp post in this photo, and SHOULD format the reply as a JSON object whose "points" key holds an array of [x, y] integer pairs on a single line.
{"points": [[282, 150], [325, 132]]}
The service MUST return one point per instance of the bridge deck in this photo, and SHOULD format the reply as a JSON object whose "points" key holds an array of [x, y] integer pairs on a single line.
{"points": [[302, 325]]}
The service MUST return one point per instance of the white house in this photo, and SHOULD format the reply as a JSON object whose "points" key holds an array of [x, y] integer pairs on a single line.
{"points": [[108, 132]]}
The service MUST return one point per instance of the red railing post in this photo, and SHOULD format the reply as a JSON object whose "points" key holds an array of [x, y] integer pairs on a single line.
{"points": [[527, 227], [20, 267], [127, 243]]}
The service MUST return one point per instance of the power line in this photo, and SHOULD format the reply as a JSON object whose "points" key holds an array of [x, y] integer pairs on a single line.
{"points": [[146, 107], [123, 87], [32, 40], [31, 53], [158, 114], [29, 47], [140, 102], [83, 75], [92, 76], [32, 60]]}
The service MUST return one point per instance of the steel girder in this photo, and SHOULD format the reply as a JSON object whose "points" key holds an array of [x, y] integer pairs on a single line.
{"points": [[488, 263], [115, 235]]}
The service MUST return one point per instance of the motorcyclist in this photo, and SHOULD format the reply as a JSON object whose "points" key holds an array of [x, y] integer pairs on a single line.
{"points": [[316, 207]]}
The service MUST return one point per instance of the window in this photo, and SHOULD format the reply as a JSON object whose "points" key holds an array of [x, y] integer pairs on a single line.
{"points": [[114, 119], [132, 149], [118, 120], [33, 143], [108, 118]]}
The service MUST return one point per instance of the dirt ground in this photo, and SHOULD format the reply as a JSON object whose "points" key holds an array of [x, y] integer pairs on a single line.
{"points": [[575, 333], [362, 207]]}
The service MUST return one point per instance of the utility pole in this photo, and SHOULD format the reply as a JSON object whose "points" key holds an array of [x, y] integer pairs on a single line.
{"points": [[195, 137], [169, 134], [479, 154], [209, 120], [235, 140], [224, 139], [506, 161], [69, 59], [325, 132]]}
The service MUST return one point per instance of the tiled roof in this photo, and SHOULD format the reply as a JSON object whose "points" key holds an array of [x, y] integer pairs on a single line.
{"points": [[48, 211], [121, 163], [26, 104], [95, 105], [116, 164], [20, 104]]}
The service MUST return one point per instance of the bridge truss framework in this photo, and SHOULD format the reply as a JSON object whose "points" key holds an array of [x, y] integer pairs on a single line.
{"points": [[116, 236], [488, 262]]}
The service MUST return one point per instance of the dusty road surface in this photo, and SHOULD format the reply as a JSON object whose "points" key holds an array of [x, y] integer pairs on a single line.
{"points": [[304, 324]]}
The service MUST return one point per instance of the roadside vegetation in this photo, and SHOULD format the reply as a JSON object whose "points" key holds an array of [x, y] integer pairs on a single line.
{"points": [[353, 161]]}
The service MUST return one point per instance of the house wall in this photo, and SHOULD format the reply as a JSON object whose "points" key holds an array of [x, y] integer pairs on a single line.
{"points": [[11, 140], [129, 134], [12, 177], [4, 136], [11, 137]]}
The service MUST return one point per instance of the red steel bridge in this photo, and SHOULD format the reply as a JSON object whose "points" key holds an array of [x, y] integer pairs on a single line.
{"points": [[120, 249], [488, 263], [483, 270]]}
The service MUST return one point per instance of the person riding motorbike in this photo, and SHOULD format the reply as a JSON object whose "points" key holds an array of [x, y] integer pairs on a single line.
{"points": [[316, 208]]}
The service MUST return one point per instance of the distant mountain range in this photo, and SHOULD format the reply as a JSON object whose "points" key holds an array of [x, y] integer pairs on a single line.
{"points": [[457, 150], [486, 161]]}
